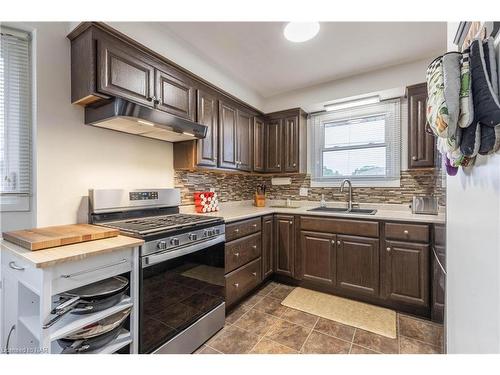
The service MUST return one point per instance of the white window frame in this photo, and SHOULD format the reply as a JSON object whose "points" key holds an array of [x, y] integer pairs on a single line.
{"points": [[23, 201], [389, 108]]}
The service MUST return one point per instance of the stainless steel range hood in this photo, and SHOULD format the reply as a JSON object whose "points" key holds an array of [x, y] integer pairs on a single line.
{"points": [[124, 116]]}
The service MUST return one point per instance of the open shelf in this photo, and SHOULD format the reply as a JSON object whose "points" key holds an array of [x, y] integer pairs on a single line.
{"points": [[123, 339], [73, 322]]}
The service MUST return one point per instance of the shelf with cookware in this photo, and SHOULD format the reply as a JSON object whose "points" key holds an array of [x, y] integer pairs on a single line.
{"points": [[78, 298]]}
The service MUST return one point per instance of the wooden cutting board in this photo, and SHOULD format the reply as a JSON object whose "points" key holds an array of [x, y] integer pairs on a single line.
{"points": [[44, 238]]}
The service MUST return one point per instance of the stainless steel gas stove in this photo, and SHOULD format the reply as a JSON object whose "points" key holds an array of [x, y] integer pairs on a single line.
{"points": [[182, 266]]}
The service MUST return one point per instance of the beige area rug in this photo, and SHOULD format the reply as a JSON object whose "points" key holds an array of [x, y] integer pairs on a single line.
{"points": [[208, 274], [357, 314]]}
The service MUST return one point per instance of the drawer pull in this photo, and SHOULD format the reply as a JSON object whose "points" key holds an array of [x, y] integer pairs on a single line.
{"points": [[14, 266], [236, 230], [69, 275], [254, 274], [254, 247], [255, 225], [338, 243], [333, 242], [291, 222], [237, 285], [236, 255], [388, 249], [405, 231]]}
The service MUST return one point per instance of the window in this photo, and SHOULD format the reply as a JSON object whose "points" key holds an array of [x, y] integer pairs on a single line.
{"points": [[15, 120], [361, 143]]}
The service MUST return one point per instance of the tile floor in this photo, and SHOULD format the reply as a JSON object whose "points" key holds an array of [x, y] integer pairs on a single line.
{"points": [[261, 325]]}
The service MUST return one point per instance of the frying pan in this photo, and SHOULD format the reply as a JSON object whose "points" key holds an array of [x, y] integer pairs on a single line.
{"points": [[91, 344], [90, 298], [100, 327]]}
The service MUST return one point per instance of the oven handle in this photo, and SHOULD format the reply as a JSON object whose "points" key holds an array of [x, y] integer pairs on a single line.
{"points": [[153, 259]]}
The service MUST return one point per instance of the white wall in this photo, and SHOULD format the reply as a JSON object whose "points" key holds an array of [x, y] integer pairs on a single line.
{"points": [[72, 157], [312, 98], [473, 254]]}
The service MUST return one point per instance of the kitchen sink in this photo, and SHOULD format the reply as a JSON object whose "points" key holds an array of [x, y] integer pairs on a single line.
{"points": [[364, 211]]}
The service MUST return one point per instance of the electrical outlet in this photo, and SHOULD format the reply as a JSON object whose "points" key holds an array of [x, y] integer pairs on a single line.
{"points": [[303, 192]]}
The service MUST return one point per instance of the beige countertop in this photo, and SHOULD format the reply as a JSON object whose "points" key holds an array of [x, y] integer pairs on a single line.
{"points": [[61, 254], [235, 211]]}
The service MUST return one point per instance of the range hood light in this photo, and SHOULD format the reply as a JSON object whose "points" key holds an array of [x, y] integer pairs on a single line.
{"points": [[145, 122], [190, 134]]}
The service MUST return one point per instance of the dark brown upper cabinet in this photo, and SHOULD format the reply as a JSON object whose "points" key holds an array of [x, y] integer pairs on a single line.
{"points": [[285, 138], [174, 95], [244, 140], [228, 118], [124, 74], [259, 145], [358, 265], [291, 144], [316, 262], [273, 145], [267, 246], [406, 269], [421, 144], [207, 110], [284, 256]]}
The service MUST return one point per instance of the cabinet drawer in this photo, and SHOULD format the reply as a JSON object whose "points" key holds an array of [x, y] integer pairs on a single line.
{"points": [[407, 232], [242, 228], [242, 251], [339, 226], [243, 280]]}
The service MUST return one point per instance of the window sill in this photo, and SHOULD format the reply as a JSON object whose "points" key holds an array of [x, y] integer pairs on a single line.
{"points": [[14, 203], [336, 183]]}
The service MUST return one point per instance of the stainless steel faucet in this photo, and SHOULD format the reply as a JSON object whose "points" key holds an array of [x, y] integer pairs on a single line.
{"points": [[349, 204]]}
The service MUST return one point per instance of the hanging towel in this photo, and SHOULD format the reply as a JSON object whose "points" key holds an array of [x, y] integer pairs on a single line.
{"points": [[466, 103]]}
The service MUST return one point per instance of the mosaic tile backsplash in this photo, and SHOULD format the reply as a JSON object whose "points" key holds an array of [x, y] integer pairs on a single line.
{"points": [[236, 187]]}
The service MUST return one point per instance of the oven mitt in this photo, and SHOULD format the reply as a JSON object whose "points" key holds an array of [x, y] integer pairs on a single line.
{"points": [[486, 102], [466, 103], [437, 111], [471, 140], [491, 64], [451, 80], [490, 139]]}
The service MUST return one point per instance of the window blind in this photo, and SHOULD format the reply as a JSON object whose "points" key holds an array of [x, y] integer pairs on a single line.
{"points": [[360, 143], [15, 116]]}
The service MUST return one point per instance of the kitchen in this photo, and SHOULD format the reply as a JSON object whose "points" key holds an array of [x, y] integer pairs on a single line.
{"points": [[310, 215]]}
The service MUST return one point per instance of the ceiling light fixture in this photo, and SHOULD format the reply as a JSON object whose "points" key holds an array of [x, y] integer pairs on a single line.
{"points": [[300, 31], [352, 103]]}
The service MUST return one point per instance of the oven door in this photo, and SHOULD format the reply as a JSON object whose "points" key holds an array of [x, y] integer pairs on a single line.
{"points": [[182, 297]]}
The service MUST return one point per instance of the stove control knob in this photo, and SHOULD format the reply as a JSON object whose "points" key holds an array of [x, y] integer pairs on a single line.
{"points": [[162, 245], [193, 236], [217, 231], [174, 242], [209, 232]]}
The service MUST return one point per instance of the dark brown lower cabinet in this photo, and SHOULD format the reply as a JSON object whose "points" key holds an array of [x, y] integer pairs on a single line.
{"points": [[317, 258], [267, 245], [406, 268], [358, 264], [284, 245]]}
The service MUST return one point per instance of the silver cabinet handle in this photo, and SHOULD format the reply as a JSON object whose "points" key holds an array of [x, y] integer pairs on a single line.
{"points": [[338, 243], [414, 158], [333, 242], [291, 222], [67, 276], [405, 232], [294, 164], [254, 247], [236, 230], [279, 166], [254, 274], [388, 249], [255, 225], [236, 255], [14, 266], [237, 285]]}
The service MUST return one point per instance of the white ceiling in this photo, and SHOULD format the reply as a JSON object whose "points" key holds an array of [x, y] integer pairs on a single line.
{"points": [[258, 55]]}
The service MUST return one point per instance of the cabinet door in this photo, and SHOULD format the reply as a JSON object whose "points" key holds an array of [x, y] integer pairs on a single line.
{"points": [[124, 74], [291, 144], [267, 246], [285, 245], [207, 115], [317, 257], [258, 144], [227, 136], [244, 140], [420, 143], [358, 264], [273, 146], [407, 273], [174, 95]]}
